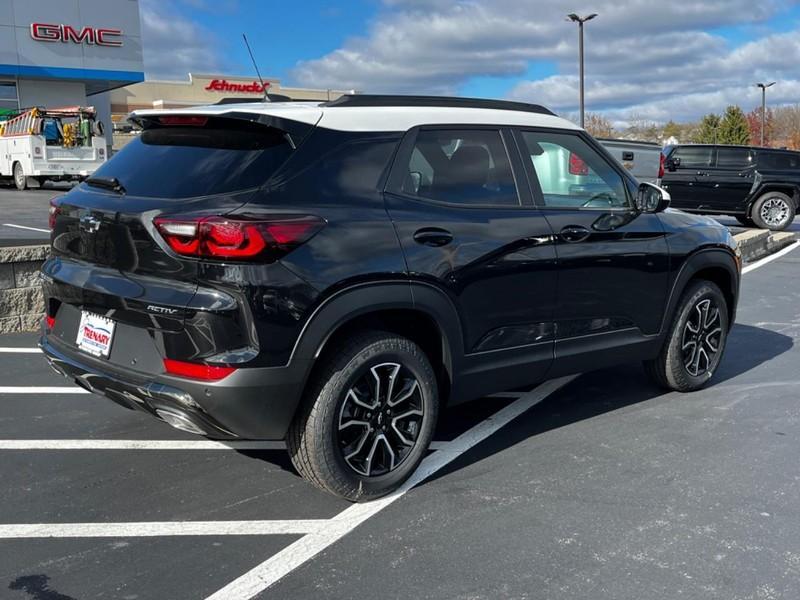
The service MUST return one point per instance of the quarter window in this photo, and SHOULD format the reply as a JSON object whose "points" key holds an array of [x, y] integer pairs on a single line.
{"points": [[462, 167], [571, 174]]}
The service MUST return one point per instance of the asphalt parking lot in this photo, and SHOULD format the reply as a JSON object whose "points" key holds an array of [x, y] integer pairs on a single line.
{"points": [[23, 215], [601, 486]]}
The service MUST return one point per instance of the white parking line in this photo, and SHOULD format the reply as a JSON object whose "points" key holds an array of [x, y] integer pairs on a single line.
{"points": [[19, 350], [160, 528], [25, 389], [154, 445], [26, 227], [770, 258], [284, 562]]}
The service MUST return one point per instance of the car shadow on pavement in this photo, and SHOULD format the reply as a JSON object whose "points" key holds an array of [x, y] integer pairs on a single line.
{"points": [[37, 588], [599, 392]]}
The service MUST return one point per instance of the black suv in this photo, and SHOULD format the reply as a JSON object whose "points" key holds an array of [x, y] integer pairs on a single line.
{"points": [[335, 274], [759, 186]]}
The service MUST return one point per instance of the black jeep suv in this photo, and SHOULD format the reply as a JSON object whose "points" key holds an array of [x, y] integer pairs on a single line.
{"points": [[335, 274], [759, 186]]}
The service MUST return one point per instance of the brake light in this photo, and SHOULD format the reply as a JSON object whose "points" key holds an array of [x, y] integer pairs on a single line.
{"points": [[240, 238], [54, 211], [661, 160], [196, 370], [193, 121], [49, 322], [577, 166]]}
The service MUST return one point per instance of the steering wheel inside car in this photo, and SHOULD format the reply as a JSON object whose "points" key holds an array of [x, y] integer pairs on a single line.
{"points": [[602, 200]]}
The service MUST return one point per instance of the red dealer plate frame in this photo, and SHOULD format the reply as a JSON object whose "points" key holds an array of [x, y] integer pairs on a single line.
{"points": [[95, 334]]}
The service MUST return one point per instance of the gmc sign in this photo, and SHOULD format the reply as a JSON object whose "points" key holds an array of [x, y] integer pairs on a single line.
{"points": [[99, 36]]}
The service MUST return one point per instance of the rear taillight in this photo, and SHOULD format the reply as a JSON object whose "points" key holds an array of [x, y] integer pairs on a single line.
{"points": [[661, 160], [239, 238], [196, 370], [49, 322], [55, 209], [577, 166]]}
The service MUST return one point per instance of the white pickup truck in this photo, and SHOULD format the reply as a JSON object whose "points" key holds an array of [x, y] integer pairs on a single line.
{"points": [[57, 144], [643, 159]]}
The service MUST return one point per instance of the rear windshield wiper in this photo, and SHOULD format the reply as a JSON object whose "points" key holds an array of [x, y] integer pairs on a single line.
{"points": [[108, 183]]}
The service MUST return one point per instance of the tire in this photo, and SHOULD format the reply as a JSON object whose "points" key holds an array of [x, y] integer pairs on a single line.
{"points": [[745, 220], [20, 180], [674, 368], [774, 211], [352, 461]]}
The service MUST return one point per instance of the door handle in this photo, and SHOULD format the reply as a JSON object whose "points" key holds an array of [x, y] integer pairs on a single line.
{"points": [[574, 233], [702, 173], [433, 236]]}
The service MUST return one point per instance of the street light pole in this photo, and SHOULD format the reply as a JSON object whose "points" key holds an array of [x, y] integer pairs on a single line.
{"points": [[580, 21], [764, 87]]}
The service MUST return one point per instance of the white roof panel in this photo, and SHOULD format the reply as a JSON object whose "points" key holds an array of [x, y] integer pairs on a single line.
{"points": [[376, 118]]}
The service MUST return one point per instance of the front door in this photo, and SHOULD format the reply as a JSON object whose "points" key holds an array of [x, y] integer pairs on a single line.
{"points": [[688, 182], [613, 261], [467, 228]]}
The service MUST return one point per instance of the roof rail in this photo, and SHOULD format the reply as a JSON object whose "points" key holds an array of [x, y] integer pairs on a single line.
{"points": [[362, 100]]}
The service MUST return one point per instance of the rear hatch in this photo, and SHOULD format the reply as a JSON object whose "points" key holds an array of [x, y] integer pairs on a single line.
{"points": [[108, 256]]}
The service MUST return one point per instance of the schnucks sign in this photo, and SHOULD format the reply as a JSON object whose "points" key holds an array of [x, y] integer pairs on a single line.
{"points": [[223, 85], [99, 36]]}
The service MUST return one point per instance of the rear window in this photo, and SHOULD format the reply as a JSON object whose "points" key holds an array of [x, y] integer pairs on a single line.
{"points": [[185, 161]]}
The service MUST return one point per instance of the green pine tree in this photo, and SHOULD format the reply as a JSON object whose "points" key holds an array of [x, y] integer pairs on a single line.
{"points": [[708, 132], [734, 128]]}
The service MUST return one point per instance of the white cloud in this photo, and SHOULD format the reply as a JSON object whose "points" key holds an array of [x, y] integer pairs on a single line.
{"points": [[174, 45], [656, 58]]}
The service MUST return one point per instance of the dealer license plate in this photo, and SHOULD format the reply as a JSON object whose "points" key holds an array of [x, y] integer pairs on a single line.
{"points": [[95, 334]]}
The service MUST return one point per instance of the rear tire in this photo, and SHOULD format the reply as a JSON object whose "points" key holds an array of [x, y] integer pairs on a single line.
{"points": [[774, 211], [367, 418], [695, 342], [20, 180], [745, 220]]}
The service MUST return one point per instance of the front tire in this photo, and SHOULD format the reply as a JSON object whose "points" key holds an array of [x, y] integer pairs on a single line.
{"points": [[774, 211], [695, 342], [368, 417]]}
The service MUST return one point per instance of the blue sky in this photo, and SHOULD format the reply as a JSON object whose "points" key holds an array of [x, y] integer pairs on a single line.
{"points": [[645, 59]]}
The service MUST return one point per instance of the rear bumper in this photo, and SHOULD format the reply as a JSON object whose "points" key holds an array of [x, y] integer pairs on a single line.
{"points": [[255, 403]]}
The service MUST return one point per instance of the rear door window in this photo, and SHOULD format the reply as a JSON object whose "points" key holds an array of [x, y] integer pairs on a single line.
{"points": [[734, 158], [469, 167], [221, 156], [693, 157]]}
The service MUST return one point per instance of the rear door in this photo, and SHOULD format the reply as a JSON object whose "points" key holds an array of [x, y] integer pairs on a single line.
{"points": [[687, 182], [730, 179], [468, 228], [613, 261]]}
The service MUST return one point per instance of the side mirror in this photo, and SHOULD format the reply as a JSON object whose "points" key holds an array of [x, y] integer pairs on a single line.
{"points": [[652, 199], [672, 163]]}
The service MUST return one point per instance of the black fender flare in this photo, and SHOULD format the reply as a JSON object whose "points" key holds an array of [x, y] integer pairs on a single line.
{"points": [[790, 189], [701, 259], [361, 299]]}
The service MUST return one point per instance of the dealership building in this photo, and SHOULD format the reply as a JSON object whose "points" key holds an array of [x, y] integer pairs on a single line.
{"points": [[68, 52], [199, 89], [89, 52]]}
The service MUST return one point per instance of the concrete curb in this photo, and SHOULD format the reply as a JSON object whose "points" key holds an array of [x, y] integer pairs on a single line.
{"points": [[758, 243]]}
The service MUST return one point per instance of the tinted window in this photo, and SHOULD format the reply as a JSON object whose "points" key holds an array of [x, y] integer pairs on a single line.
{"points": [[463, 167], [181, 162], [693, 156], [734, 157], [778, 160], [572, 174]]}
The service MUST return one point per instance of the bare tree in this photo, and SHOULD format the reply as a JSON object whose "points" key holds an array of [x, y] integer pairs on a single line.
{"points": [[598, 126]]}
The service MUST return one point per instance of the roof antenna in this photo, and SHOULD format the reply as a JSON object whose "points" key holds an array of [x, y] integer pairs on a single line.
{"points": [[263, 87]]}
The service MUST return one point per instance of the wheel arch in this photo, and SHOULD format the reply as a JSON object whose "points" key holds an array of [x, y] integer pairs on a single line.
{"points": [[790, 189], [717, 265], [419, 312]]}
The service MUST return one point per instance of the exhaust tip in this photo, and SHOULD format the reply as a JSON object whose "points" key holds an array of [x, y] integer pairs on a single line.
{"points": [[179, 421]]}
